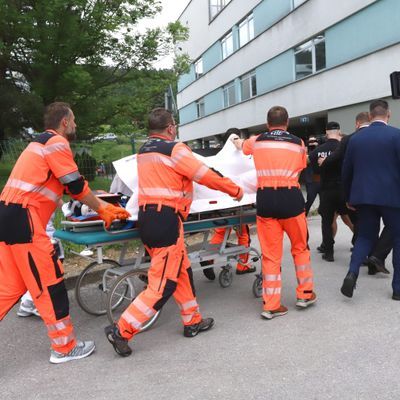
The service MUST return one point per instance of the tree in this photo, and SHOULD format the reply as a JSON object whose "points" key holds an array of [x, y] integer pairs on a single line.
{"points": [[79, 52]]}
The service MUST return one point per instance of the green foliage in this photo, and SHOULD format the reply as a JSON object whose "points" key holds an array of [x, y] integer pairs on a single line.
{"points": [[182, 64], [85, 52]]}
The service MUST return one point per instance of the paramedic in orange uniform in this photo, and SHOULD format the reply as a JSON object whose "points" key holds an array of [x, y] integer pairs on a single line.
{"points": [[42, 173], [279, 157], [166, 171]]}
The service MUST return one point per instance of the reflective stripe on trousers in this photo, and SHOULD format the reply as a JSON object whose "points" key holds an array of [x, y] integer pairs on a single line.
{"points": [[270, 233], [169, 275]]}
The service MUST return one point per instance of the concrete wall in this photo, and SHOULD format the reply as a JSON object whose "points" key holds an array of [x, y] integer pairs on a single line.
{"points": [[369, 30], [346, 115], [359, 81]]}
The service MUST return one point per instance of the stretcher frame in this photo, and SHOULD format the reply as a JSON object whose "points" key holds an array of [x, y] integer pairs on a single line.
{"points": [[224, 255]]}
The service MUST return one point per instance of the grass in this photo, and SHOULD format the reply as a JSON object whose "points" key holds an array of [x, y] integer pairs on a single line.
{"points": [[107, 151]]}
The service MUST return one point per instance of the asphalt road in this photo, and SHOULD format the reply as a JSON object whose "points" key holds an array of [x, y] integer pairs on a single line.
{"points": [[337, 349]]}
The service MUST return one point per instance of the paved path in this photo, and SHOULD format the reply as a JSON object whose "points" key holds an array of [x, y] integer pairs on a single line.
{"points": [[338, 349]]}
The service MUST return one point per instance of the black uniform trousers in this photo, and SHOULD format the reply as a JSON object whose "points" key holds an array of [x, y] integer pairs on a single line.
{"points": [[332, 201]]}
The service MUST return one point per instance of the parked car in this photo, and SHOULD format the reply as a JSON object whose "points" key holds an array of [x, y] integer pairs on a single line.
{"points": [[110, 136]]}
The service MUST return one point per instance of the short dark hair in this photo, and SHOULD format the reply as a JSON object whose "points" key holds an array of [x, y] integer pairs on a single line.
{"points": [[362, 117], [379, 108], [235, 131], [277, 116], [54, 113], [332, 126], [160, 119]]}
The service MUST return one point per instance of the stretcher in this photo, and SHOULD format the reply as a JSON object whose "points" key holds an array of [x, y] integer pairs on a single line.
{"points": [[108, 286]]}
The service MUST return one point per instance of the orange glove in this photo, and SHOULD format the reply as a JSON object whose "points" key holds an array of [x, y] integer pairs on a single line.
{"points": [[240, 195], [110, 212]]}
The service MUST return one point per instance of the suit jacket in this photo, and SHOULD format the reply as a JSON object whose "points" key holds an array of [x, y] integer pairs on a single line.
{"points": [[371, 167]]}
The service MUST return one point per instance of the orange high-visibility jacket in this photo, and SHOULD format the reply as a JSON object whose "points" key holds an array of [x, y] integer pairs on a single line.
{"points": [[166, 171], [41, 174], [279, 157]]}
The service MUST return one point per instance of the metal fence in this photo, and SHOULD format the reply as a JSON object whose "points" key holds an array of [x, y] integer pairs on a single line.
{"points": [[99, 173]]}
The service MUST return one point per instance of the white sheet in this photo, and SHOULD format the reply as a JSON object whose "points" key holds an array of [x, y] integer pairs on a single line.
{"points": [[229, 161]]}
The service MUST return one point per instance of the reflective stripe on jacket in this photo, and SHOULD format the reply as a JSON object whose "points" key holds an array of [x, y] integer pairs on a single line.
{"points": [[279, 157], [40, 173]]}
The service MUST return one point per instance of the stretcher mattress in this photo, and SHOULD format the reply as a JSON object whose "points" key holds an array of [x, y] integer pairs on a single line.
{"points": [[96, 238], [229, 161]]}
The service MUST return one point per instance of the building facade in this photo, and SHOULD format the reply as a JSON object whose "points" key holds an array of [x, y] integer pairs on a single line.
{"points": [[321, 59]]}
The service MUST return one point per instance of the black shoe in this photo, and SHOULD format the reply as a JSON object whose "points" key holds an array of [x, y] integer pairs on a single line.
{"points": [[204, 325], [248, 270], [321, 248], [119, 343], [328, 257], [349, 284], [396, 296], [372, 269], [209, 273], [378, 264]]}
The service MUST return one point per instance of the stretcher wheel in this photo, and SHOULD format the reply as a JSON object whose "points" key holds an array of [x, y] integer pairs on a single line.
{"points": [[225, 277], [93, 284], [124, 290], [257, 286]]}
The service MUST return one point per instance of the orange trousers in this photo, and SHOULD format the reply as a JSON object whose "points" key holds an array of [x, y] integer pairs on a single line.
{"points": [[169, 275], [35, 267], [270, 233], [243, 236]]}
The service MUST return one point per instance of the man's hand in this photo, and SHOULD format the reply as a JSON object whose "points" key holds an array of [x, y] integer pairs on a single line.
{"points": [[240, 195], [321, 160], [350, 207], [108, 213], [237, 141]]}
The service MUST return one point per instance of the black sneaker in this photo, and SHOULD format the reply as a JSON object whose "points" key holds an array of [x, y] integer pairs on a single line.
{"points": [[321, 248], [328, 257], [119, 343], [378, 264], [372, 270], [204, 325], [349, 284], [396, 296]]}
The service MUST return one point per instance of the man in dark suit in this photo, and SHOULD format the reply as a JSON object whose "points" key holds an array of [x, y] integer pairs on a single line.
{"points": [[371, 178]]}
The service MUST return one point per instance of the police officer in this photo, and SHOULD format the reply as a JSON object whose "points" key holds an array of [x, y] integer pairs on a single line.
{"points": [[331, 196]]}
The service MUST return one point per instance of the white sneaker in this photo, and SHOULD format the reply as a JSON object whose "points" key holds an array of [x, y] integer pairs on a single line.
{"points": [[81, 350], [27, 309], [304, 303]]}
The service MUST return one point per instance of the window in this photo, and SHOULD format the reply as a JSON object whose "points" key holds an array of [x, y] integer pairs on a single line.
{"points": [[200, 108], [216, 6], [248, 86], [310, 57], [246, 30], [296, 3], [229, 94], [227, 45], [198, 68]]}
